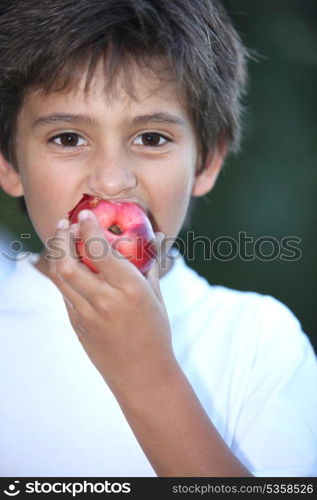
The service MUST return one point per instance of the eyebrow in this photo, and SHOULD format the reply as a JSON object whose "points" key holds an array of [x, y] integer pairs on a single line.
{"points": [[158, 118], [86, 119], [64, 118]]}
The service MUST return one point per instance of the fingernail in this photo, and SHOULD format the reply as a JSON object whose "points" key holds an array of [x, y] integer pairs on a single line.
{"points": [[84, 215], [62, 224]]}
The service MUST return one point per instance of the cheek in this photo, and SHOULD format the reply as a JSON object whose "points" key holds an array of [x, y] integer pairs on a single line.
{"points": [[43, 216], [179, 207], [172, 199], [180, 186], [44, 201]]}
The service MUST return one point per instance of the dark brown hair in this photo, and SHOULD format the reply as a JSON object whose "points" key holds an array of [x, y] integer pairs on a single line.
{"points": [[46, 44]]}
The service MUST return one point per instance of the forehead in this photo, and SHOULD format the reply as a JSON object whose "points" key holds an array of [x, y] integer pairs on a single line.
{"points": [[133, 86]]}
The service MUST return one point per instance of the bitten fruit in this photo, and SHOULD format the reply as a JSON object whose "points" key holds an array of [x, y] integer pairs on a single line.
{"points": [[125, 225]]}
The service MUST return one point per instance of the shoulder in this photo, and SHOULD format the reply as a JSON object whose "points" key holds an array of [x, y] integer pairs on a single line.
{"points": [[261, 333], [238, 331], [258, 315], [257, 334], [251, 313]]}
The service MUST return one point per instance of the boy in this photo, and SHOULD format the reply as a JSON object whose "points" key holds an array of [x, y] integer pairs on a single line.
{"points": [[135, 100]]}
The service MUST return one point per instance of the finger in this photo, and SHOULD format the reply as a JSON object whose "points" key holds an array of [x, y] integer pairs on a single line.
{"points": [[59, 249], [74, 317], [78, 318], [116, 268], [76, 282], [78, 309], [74, 300], [64, 264]]}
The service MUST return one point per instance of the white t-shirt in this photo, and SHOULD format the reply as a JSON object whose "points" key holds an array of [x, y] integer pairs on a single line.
{"points": [[245, 355]]}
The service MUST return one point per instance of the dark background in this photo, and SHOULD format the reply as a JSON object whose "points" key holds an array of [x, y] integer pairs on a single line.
{"points": [[269, 189]]}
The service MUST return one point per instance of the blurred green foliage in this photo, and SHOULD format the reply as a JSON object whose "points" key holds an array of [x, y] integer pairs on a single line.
{"points": [[269, 189]]}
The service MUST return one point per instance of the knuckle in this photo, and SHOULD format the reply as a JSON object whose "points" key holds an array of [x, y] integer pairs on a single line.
{"points": [[66, 270], [102, 305], [133, 293], [51, 271]]}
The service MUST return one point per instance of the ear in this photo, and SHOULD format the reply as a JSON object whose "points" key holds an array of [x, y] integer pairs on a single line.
{"points": [[10, 180], [206, 177]]}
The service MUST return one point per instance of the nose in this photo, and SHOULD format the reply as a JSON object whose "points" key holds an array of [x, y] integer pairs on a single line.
{"points": [[113, 177]]}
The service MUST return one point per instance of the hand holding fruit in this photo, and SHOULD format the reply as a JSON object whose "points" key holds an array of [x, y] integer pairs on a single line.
{"points": [[118, 313]]}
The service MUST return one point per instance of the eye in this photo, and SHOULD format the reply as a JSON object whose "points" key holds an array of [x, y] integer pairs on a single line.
{"points": [[152, 139], [69, 140]]}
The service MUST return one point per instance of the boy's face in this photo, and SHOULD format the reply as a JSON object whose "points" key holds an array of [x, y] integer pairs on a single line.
{"points": [[141, 149]]}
